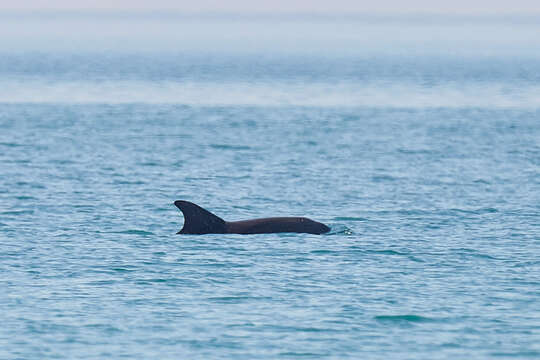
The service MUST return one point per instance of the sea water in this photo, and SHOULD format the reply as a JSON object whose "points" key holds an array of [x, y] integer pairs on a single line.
{"points": [[416, 139]]}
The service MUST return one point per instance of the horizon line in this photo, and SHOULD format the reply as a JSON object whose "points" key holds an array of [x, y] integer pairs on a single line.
{"points": [[321, 13], [376, 16]]}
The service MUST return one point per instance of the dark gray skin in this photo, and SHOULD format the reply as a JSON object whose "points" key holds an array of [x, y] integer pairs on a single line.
{"points": [[200, 221]]}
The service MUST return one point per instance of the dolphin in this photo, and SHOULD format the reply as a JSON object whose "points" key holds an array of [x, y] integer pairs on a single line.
{"points": [[200, 221]]}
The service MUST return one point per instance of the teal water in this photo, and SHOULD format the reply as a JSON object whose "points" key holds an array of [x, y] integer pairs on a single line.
{"points": [[424, 161]]}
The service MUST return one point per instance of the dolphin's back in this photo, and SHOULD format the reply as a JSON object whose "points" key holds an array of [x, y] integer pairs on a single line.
{"points": [[200, 221], [277, 225]]}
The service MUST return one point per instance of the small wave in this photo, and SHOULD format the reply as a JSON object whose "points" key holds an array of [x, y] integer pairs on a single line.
{"points": [[83, 206], [519, 354], [229, 147], [30, 184], [350, 218], [18, 212], [10, 144], [302, 354], [479, 211], [61, 161], [415, 152], [415, 259], [155, 281], [473, 253], [381, 178], [101, 282], [24, 197], [18, 161], [386, 252], [283, 328], [322, 252], [484, 256], [125, 182], [106, 328], [413, 212], [409, 318], [123, 269], [149, 163], [237, 299], [134, 232]]}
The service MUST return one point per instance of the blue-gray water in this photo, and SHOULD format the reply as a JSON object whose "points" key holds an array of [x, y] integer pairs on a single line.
{"points": [[423, 157]]}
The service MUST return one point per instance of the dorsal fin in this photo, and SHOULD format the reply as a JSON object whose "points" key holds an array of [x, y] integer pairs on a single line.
{"points": [[198, 220]]}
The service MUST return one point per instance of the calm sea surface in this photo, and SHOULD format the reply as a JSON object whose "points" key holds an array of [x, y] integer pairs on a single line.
{"points": [[416, 139]]}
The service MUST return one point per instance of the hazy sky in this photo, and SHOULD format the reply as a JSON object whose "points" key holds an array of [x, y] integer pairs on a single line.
{"points": [[444, 6]]}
